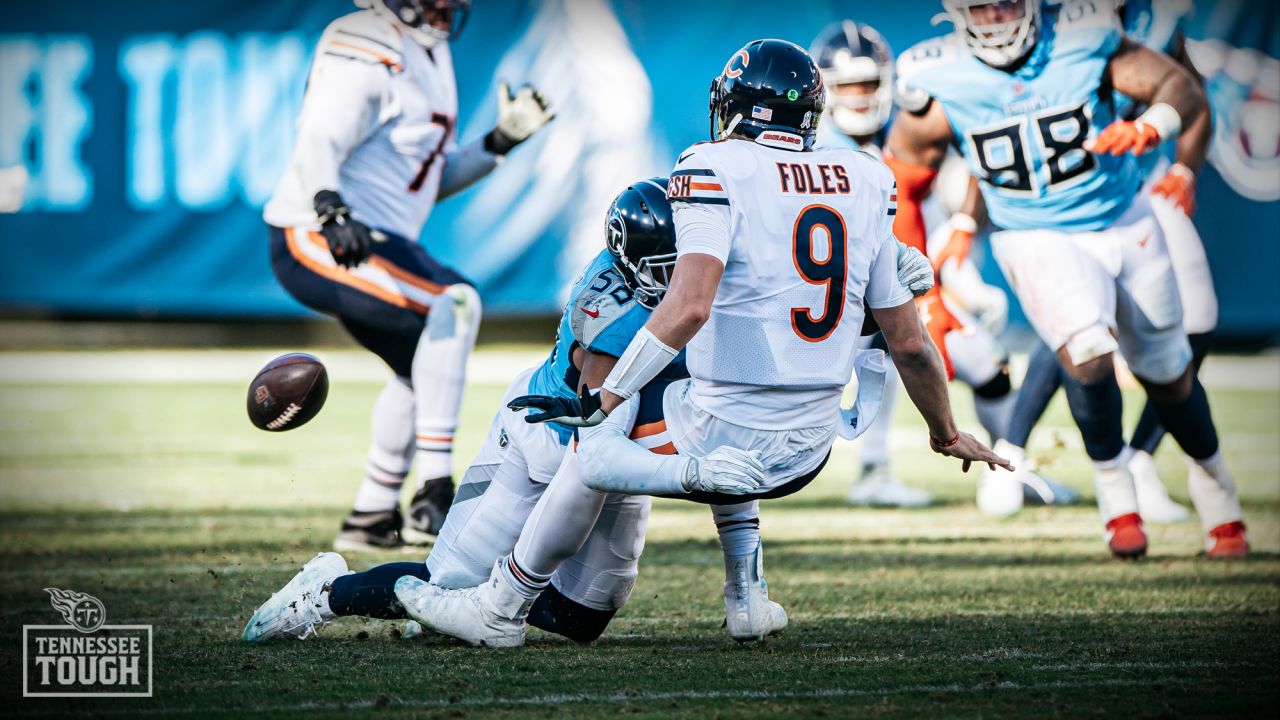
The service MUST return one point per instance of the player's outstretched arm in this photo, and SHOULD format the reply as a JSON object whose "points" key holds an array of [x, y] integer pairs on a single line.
{"points": [[921, 369]]}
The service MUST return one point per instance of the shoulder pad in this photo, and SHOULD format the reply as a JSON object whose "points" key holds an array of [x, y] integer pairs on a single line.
{"points": [[913, 69], [594, 313], [364, 37], [1087, 16]]}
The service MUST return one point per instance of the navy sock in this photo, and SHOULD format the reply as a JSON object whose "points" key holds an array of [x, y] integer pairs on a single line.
{"points": [[1097, 408], [372, 593], [1043, 378], [1149, 431], [1190, 422], [554, 612]]}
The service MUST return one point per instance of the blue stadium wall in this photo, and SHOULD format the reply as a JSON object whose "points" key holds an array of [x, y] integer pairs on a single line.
{"points": [[154, 132]]}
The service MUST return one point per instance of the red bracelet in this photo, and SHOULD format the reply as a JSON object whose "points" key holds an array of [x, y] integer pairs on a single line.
{"points": [[946, 444]]}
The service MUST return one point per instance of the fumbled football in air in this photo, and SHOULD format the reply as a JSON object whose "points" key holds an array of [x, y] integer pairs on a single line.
{"points": [[288, 392]]}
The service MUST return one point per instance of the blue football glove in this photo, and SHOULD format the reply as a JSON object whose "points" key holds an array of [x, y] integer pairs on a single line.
{"points": [[582, 411]]}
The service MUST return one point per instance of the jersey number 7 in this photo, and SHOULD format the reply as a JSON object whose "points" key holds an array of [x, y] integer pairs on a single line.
{"points": [[830, 273]]}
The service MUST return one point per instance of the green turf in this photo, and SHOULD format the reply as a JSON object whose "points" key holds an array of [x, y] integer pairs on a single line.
{"points": [[165, 503]]}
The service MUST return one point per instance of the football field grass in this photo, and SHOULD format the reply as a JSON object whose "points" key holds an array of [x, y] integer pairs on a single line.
{"points": [[160, 499]]}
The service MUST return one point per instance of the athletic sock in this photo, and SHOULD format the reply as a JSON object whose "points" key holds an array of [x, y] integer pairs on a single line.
{"points": [[529, 585], [372, 593], [1150, 431], [1043, 378], [739, 527], [390, 450], [1114, 485], [1097, 408], [1190, 422], [439, 376]]}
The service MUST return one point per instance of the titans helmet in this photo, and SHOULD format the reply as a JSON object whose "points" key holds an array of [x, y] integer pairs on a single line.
{"points": [[770, 91], [641, 234], [850, 53], [427, 21], [998, 32]]}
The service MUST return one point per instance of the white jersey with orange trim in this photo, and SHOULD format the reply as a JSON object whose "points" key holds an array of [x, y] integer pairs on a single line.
{"points": [[378, 117], [804, 237]]}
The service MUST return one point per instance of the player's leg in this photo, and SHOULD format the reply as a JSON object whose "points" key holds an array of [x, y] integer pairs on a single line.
{"points": [[876, 485], [749, 613], [1155, 344], [375, 520], [1070, 298]]}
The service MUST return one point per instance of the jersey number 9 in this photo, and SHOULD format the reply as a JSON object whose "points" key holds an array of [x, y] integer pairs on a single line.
{"points": [[830, 273]]}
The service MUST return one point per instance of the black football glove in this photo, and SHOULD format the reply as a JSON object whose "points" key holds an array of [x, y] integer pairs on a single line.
{"points": [[350, 241], [582, 411]]}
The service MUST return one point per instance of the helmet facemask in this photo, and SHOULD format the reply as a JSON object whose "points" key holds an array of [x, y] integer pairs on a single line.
{"points": [[864, 113], [428, 22], [994, 34]]}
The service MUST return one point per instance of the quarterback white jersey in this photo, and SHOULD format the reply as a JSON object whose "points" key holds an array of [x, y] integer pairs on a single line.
{"points": [[805, 237], [378, 117]]}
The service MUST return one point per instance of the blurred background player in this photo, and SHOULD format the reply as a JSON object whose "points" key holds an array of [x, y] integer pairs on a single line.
{"points": [[1170, 183], [609, 303], [857, 69], [1077, 240], [376, 148]]}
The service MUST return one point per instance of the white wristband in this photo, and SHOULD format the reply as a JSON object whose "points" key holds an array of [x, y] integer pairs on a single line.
{"points": [[1166, 121], [964, 222], [643, 359]]}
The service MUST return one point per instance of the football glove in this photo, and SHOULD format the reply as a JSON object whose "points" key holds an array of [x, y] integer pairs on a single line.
{"points": [[958, 245], [350, 241], [914, 271], [1124, 136], [582, 411], [938, 321], [520, 115], [726, 470], [1179, 186]]}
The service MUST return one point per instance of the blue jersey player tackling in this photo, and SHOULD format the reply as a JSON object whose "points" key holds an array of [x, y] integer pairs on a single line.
{"points": [[1029, 98]]}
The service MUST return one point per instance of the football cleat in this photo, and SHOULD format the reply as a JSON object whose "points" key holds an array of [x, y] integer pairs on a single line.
{"points": [[1153, 500], [296, 610], [1040, 490], [749, 613], [427, 511], [1125, 536], [370, 531], [877, 488], [489, 615], [1228, 540], [999, 493]]}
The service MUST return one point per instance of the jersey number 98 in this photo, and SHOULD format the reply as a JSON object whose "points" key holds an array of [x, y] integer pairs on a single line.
{"points": [[829, 273], [1003, 155]]}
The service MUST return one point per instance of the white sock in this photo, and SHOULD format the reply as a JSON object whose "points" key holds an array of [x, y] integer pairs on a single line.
{"points": [[994, 414], [440, 375], [1213, 492], [1114, 484], [875, 441], [738, 526], [390, 451]]}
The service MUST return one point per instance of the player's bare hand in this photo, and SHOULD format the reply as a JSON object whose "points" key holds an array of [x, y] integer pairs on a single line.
{"points": [[1179, 186], [350, 241], [1124, 136], [967, 448], [582, 411], [914, 271], [725, 470], [520, 115]]}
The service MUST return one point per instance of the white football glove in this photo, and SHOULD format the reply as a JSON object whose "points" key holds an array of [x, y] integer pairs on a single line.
{"points": [[726, 470], [13, 186], [519, 116], [914, 271]]}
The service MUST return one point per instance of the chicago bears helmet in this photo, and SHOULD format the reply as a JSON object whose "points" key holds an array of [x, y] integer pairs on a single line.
{"points": [[641, 234], [998, 32], [849, 53], [428, 21], [769, 91]]}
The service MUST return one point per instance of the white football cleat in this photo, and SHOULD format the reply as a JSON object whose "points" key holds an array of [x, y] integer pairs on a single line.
{"points": [[1154, 503], [296, 610], [877, 488], [999, 493], [489, 615], [749, 613]]}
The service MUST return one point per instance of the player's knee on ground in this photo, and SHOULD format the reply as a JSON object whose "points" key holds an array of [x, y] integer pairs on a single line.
{"points": [[555, 613], [1088, 355]]}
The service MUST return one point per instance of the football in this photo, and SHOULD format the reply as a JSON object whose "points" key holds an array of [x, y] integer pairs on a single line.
{"points": [[288, 392]]}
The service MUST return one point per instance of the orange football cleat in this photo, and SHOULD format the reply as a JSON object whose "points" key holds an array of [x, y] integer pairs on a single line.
{"points": [[1125, 536], [1228, 540]]}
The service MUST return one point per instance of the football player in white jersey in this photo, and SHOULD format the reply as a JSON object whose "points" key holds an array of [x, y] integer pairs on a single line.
{"points": [[857, 69], [376, 148], [779, 244], [1038, 125]]}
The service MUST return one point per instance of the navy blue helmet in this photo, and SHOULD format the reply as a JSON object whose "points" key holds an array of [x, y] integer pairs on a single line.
{"points": [[641, 234], [770, 91], [847, 54]]}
